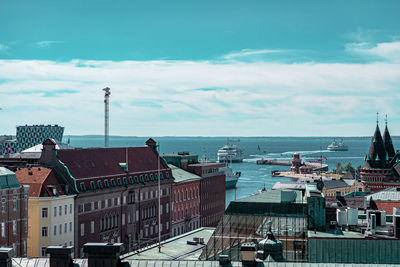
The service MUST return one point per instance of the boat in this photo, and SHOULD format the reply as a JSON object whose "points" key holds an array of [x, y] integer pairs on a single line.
{"points": [[231, 177], [335, 146], [230, 153]]}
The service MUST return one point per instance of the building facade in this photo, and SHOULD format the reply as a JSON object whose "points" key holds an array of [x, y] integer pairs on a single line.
{"points": [[117, 193], [381, 169], [185, 201], [212, 191], [50, 211], [13, 215]]}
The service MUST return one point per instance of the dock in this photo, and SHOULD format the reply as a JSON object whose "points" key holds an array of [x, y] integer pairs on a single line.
{"points": [[315, 165]]}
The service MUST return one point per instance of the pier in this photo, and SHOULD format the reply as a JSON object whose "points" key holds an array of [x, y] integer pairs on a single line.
{"points": [[314, 165]]}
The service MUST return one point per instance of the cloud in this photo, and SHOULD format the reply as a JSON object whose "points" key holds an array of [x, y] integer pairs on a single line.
{"points": [[153, 98], [252, 54], [388, 51], [47, 44]]}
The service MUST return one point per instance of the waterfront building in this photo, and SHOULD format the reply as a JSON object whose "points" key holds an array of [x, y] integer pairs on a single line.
{"points": [[50, 211], [117, 193], [31, 135], [212, 185], [185, 203], [342, 187], [13, 215], [382, 167]]}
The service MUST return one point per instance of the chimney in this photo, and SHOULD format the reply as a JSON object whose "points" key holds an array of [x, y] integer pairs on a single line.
{"points": [[103, 254], [5, 257], [60, 256], [49, 153], [152, 144], [248, 251]]}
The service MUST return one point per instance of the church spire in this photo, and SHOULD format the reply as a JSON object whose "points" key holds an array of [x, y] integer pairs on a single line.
{"points": [[388, 142], [377, 147]]}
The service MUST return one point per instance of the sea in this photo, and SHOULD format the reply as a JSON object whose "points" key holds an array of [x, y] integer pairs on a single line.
{"points": [[253, 177]]}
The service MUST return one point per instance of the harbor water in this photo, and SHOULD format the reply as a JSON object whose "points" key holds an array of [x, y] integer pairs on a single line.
{"points": [[254, 177]]}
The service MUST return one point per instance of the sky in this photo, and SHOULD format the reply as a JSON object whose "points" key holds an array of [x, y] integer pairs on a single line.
{"points": [[201, 68]]}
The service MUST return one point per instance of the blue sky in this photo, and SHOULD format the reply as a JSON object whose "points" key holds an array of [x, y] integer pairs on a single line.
{"points": [[213, 68]]}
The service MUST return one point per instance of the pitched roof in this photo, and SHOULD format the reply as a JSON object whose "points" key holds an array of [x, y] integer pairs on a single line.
{"points": [[8, 179], [388, 143], [39, 179], [335, 183], [100, 162], [377, 147], [180, 175], [389, 194]]}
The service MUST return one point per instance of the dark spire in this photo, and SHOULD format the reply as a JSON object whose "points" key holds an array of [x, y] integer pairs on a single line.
{"points": [[377, 148], [388, 142]]}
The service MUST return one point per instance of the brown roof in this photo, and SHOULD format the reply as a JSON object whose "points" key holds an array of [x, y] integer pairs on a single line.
{"points": [[100, 162], [39, 179]]}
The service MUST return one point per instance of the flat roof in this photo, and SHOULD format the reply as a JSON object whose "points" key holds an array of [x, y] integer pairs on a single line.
{"points": [[175, 248], [346, 235], [180, 175], [204, 164], [275, 196]]}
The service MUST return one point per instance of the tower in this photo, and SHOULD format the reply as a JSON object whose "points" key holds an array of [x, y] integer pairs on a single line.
{"points": [[106, 111]]}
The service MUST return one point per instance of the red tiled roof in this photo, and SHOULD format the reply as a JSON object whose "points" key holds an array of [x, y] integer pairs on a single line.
{"points": [[38, 179], [100, 162]]}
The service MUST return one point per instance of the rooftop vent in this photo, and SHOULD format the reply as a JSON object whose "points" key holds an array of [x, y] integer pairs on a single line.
{"points": [[30, 173]]}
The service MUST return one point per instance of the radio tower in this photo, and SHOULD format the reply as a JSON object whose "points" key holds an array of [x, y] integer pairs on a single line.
{"points": [[106, 109]]}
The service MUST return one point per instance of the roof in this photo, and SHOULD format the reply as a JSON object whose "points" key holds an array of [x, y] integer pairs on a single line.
{"points": [[335, 183], [38, 148], [348, 175], [289, 185], [39, 179], [389, 194], [175, 248], [275, 196], [98, 162], [269, 203], [206, 164], [180, 175], [388, 143], [8, 179]]}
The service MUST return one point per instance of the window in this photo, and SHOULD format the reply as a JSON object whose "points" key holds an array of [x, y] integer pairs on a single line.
{"points": [[151, 177], [70, 208], [106, 203], [92, 205], [141, 178], [106, 183], [167, 175], [112, 182], [65, 209], [3, 205], [83, 187], [119, 201], [92, 185], [136, 180], [45, 231], [124, 180], [92, 227], [45, 212], [70, 227], [55, 230], [167, 208], [60, 229], [146, 177], [60, 210], [82, 229], [161, 176], [130, 180], [99, 204], [99, 184], [123, 218], [119, 181], [161, 210], [65, 227], [3, 229], [14, 227], [43, 251]]}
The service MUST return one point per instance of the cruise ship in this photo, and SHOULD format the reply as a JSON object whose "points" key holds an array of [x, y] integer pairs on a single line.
{"points": [[230, 153], [335, 146]]}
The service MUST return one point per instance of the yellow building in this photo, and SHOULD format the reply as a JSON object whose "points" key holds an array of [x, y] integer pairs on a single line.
{"points": [[50, 211], [343, 186]]}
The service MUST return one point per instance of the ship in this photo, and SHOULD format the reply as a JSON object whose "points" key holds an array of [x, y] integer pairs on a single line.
{"points": [[230, 153], [231, 177], [335, 146]]}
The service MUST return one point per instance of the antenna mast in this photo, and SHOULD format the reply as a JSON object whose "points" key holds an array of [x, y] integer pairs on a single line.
{"points": [[106, 110]]}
